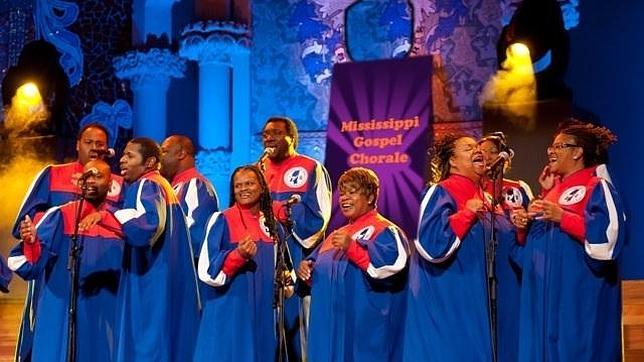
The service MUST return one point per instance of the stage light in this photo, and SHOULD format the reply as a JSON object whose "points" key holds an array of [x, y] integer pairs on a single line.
{"points": [[519, 50], [539, 26], [518, 61], [27, 108], [29, 94], [513, 88]]}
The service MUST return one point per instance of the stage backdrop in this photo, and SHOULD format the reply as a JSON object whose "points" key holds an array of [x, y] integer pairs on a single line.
{"points": [[379, 118]]}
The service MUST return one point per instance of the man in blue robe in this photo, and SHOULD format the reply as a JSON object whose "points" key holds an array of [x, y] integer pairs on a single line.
{"points": [[158, 306], [56, 185], [5, 276], [43, 254], [196, 194]]}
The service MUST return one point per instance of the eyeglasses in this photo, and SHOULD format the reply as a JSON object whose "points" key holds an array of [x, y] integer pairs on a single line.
{"points": [[561, 146]]}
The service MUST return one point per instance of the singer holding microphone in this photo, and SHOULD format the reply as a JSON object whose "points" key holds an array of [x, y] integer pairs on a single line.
{"points": [[448, 304], [514, 197], [570, 292], [358, 280], [55, 185], [43, 255], [288, 173], [237, 262]]}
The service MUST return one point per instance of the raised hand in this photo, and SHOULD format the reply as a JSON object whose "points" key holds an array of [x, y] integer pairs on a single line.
{"points": [[247, 248], [27, 230], [340, 240]]}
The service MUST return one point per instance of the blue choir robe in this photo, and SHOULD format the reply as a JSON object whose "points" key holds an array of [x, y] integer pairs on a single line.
{"points": [[99, 273], [158, 303], [514, 194], [238, 322], [54, 185], [447, 304], [309, 179], [570, 295], [306, 177], [5, 275], [198, 201], [358, 296]]}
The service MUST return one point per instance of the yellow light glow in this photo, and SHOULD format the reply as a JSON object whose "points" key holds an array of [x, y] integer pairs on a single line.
{"points": [[26, 109], [519, 50], [513, 88], [28, 91]]}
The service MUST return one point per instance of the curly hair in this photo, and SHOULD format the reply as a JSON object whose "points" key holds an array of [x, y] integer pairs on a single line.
{"points": [[365, 178], [265, 201], [500, 141], [594, 140], [440, 152]]}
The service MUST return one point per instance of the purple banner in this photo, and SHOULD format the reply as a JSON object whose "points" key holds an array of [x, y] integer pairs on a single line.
{"points": [[379, 119]]}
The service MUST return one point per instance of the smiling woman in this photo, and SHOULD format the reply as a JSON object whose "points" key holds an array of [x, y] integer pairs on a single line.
{"points": [[357, 275], [237, 263], [578, 254]]}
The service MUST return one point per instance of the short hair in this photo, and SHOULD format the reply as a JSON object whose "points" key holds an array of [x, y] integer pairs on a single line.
{"points": [[594, 139], [291, 127], [440, 153], [93, 125], [186, 144], [148, 147], [365, 178]]}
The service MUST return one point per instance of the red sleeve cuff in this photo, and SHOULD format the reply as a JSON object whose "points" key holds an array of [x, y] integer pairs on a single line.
{"points": [[279, 211], [522, 235], [234, 261], [462, 221], [573, 225], [32, 251], [358, 255]]}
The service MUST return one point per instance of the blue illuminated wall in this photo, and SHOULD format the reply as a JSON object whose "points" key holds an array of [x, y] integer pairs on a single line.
{"points": [[606, 73], [296, 44]]}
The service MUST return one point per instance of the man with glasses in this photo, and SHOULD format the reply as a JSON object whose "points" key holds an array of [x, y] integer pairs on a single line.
{"points": [[288, 173]]}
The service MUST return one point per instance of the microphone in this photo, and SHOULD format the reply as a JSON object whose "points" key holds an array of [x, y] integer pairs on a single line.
{"points": [[500, 161], [106, 153], [293, 199], [90, 172], [267, 152]]}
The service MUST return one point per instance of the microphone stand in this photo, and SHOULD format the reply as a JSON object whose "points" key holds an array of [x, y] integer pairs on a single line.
{"points": [[281, 270], [73, 265], [490, 257]]}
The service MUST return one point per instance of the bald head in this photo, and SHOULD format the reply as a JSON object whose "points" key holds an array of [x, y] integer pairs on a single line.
{"points": [[98, 185], [177, 155]]}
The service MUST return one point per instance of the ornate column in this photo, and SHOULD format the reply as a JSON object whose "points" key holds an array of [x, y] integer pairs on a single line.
{"points": [[222, 51], [151, 18], [149, 73]]}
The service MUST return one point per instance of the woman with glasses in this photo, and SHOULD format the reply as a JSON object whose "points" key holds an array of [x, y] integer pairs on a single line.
{"points": [[570, 307], [514, 197], [448, 318]]}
